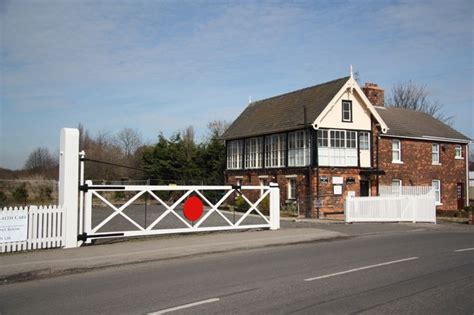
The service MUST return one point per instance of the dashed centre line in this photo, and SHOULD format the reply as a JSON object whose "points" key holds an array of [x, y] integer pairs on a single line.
{"points": [[464, 249], [180, 307], [362, 268]]}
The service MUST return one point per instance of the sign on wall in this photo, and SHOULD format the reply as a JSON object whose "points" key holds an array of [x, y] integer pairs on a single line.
{"points": [[337, 180], [13, 226], [337, 189]]}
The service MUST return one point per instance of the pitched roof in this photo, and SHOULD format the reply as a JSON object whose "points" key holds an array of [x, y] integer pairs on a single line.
{"points": [[410, 123], [284, 112]]}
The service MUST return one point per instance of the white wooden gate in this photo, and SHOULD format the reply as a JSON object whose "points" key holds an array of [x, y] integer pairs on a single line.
{"points": [[89, 232], [416, 204]]}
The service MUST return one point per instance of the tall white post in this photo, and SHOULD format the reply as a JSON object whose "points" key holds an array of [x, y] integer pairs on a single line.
{"points": [[274, 206], [69, 184], [88, 211]]}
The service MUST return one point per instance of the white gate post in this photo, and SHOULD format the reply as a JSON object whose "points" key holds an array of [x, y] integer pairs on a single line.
{"points": [[69, 184], [88, 211], [274, 206]]}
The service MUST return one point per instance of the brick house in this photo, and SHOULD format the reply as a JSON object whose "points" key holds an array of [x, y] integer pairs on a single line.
{"points": [[324, 142]]}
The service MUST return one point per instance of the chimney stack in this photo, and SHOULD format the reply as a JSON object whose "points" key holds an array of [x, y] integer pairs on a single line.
{"points": [[374, 94]]}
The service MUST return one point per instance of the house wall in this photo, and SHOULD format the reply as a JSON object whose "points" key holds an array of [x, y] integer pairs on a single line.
{"points": [[330, 203], [417, 168]]}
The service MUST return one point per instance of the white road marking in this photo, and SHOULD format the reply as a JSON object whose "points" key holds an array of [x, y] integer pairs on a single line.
{"points": [[464, 249], [176, 308], [361, 268]]}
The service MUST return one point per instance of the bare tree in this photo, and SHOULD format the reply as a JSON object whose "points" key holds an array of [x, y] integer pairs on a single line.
{"points": [[410, 95], [188, 135], [40, 160], [129, 140], [218, 127]]}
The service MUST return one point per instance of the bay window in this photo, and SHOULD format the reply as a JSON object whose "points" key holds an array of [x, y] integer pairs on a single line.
{"points": [[234, 154], [298, 148], [275, 150], [253, 152], [337, 147]]}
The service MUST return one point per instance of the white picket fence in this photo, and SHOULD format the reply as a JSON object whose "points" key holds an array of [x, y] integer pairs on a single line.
{"points": [[408, 205], [44, 228]]}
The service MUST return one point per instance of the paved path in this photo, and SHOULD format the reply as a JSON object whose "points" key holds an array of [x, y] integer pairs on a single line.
{"points": [[425, 271]]}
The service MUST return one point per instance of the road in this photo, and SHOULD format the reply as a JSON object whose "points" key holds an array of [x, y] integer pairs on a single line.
{"points": [[422, 272]]}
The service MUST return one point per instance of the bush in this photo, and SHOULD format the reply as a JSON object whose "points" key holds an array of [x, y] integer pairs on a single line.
{"points": [[20, 194], [45, 193], [3, 199], [241, 204], [469, 208]]}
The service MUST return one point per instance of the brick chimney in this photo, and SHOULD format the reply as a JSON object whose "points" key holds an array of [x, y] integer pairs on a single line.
{"points": [[374, 94]]}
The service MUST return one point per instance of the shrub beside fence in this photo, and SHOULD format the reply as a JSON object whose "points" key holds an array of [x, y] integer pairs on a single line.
{"points": [[44, 228]]}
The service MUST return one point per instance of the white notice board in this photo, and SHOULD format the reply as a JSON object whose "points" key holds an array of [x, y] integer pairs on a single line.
{"points": [[13, 226]]}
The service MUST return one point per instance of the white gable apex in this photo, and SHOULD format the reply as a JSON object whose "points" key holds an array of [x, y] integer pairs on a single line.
{"points": [[362, 109]]}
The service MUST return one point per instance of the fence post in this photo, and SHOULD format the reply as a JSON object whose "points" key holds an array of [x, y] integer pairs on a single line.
{"points": [[69, 184], [274, 206]]}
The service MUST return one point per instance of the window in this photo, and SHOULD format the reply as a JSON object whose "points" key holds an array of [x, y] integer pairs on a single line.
{"points": [[338, 138], [364, 143], [396, 186], [291, 188], [435, 153], [253, 153], [234, 154], [458, 151], [323, 138], [298, 148], [337, 147], [436, 184], [396, 151], [275, 150], [351, 139], [347, 111]]}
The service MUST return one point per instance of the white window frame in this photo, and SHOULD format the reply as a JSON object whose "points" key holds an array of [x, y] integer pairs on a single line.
{"points": [[298, 148], [323, 138], [253, 152], [397, 150], [437, 191], [435, 154], [348, 111], [458, 152], [275, 150], [234, 154], [397, 189], [291, 187], [364, 140]]}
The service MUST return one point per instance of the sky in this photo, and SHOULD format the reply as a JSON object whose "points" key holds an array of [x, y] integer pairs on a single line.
{"points": [[159, 66]]}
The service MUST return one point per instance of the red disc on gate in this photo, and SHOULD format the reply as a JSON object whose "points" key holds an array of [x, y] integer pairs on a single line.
{"points": [[193, 208]]}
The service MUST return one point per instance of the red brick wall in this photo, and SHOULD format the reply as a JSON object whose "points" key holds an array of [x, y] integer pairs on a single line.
{"points": [[417, 168]]}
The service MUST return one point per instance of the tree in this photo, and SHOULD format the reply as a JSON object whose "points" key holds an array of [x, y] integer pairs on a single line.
{"points": [[129, 140], [40, 160], [410, 95]]}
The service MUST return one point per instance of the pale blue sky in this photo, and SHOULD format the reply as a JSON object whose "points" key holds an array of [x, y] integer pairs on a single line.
{"points": [[162, 65]]}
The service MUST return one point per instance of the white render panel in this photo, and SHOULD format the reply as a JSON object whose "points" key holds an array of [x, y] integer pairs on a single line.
{"points": [[364, 158], [360, 114]]}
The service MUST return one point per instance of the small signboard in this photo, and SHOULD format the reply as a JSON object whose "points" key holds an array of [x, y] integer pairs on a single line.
{"points": [[337, 189], [337, 180], [13, 226], [323, 180]]}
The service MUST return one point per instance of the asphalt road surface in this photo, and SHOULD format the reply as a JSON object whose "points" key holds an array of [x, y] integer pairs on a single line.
{"points": [[417, 272]]}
